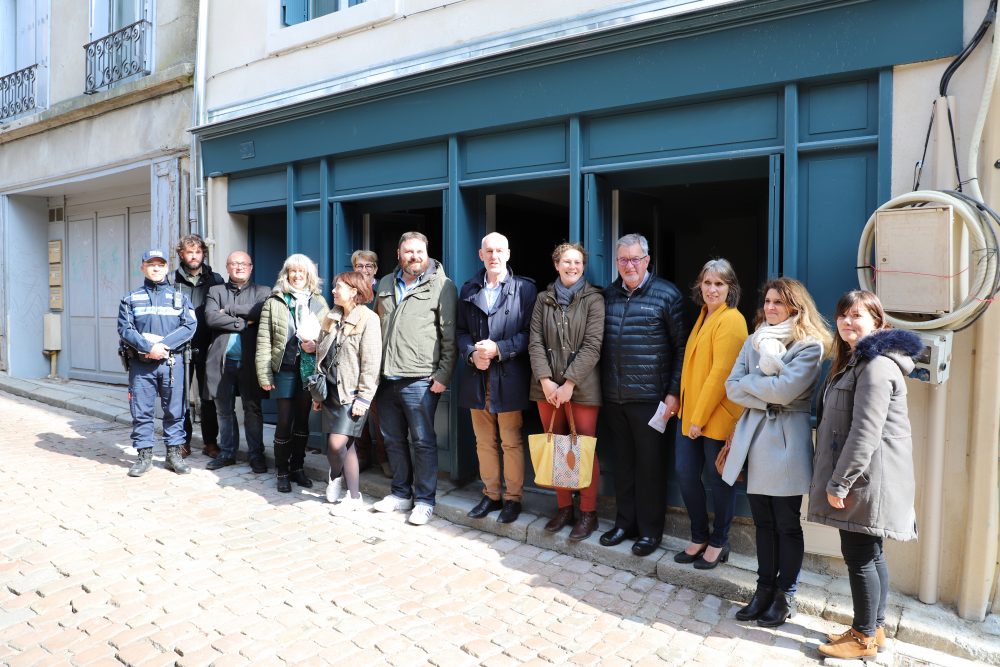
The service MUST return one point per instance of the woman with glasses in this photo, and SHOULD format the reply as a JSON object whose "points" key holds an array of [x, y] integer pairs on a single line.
{"points": [[286, 346], [707, 416], [365, 262]]}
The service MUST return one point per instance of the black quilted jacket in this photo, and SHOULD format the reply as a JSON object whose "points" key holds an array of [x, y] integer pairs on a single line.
{"points": [[644, 337]]}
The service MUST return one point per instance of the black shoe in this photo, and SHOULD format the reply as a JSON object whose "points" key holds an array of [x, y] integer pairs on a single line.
{"points": [[511, 510], [259, 466], [781, 609], [175, 461], [702, 564], [485, 506], [299, 477], [220, 462], [761, 600], [616, 536], [143, 463], [645, 546], [284, 486], [684, 557]]}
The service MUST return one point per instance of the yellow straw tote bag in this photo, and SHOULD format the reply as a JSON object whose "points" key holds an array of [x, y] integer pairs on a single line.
{"points": [[562, 461]]}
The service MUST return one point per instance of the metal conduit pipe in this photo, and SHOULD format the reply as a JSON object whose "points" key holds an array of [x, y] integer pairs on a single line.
{"points": [[197, 185], [982, 533]]}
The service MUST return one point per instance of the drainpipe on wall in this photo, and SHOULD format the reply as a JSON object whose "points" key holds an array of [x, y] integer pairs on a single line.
{"points": [[937, 414], [198, 118], [982, 535]]}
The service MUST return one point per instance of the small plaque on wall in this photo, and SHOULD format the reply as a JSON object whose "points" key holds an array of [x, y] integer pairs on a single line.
{"points": [[55, 275], [55, 298], [55, 252]]}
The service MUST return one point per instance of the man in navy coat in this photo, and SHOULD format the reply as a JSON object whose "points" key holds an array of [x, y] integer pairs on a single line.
{"points": [[494, 314]]}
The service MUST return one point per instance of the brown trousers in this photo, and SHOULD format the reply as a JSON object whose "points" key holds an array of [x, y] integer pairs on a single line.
{"points": [[511, 449]]}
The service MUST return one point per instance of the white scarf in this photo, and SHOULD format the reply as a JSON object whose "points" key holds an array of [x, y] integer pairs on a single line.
{"points": [[771, 342], [306, 324]]}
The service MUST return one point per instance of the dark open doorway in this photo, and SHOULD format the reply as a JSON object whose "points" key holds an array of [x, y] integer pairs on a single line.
{"points": [[703, 217], [389, 218], [535, 221], [690, 215]]}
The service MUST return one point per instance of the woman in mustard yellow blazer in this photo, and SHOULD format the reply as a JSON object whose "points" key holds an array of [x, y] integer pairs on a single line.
{"points": [[707, 416]]}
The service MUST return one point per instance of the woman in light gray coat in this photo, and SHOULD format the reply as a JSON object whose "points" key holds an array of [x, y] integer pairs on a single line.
{"points": [[863, 480], [774, 378]]}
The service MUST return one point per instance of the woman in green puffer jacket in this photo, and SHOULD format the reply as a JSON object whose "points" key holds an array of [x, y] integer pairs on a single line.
{"points": [[286, 354]]}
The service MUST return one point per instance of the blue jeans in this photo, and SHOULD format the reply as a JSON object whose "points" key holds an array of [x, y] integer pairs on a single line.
{"points": [[406, 418], [229, 428], [692, 458]]}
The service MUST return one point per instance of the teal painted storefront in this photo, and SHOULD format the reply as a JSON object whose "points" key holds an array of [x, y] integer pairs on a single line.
{"points": [[760, 132]]}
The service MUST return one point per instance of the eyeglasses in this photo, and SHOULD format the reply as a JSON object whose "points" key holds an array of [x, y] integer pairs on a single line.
{"points": [[370, 267], [634, 261], [240, 265]]}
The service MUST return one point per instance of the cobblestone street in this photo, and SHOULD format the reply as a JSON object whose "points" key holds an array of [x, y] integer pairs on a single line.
{"points": [[218, 568]]}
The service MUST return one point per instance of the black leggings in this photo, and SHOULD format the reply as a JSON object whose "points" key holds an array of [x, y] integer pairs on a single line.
{"points": [[780, 545], [293, 415], [869, 577]]}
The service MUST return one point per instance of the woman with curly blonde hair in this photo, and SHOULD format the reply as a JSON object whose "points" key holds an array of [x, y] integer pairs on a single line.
{"points": [[774, 378], [286, 347]]}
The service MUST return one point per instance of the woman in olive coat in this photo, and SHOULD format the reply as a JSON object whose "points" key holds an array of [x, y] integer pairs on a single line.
{"points": [[286, 347], [564, 347]]}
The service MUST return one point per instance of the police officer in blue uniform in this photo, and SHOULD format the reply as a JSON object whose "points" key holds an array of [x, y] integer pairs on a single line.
{"points": [[155, 323]]}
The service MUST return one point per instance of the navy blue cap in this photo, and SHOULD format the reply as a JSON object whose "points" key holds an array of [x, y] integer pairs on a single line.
{"points": [[153, 254]]}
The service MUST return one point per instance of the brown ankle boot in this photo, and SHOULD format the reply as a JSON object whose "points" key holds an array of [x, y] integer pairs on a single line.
{"points": [[563, 517], [850, 645], [585, 525], [879, 636]]}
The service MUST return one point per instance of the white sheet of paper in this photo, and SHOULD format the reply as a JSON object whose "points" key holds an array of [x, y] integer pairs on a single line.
{"points": [[658, 421]]}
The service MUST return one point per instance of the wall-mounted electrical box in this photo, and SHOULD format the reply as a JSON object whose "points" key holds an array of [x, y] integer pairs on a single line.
{"points": [[51, 331], [934, 363], [919, 266]]}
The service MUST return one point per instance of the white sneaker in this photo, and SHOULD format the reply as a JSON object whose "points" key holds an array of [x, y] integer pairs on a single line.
{"points": [[393, 504], [421, 514], [334, 489], [349, 505]]}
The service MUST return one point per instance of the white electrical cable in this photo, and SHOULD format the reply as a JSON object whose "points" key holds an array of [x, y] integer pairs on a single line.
{"points": [[982, 258]]}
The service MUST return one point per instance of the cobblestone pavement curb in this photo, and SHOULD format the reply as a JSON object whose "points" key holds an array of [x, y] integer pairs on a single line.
{"points": [[218, 568]]}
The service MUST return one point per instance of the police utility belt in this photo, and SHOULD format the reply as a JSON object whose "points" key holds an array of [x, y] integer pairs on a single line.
{"points": [[127, 354]]}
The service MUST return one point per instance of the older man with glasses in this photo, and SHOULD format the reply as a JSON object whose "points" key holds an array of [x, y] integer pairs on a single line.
{"points": [[232, 311], [640, 367]]}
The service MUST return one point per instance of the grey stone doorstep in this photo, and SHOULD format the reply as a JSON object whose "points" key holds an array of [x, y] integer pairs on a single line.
{"points": [[931, 626]]}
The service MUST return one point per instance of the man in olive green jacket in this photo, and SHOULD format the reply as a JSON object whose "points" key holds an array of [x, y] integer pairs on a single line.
{"points": [[416, 305]]}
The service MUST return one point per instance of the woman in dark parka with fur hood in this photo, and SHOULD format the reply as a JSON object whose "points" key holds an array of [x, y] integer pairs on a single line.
{"points": [[863, 481]]}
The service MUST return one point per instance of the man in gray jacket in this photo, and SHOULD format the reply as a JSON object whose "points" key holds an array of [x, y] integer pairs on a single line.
{"points": [[416, 306], [232, 311]]}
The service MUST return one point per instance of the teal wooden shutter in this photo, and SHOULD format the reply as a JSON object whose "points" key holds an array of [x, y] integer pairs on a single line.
{"points": [[294, 11]]}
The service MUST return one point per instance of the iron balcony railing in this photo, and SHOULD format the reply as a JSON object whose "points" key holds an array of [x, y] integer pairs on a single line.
{"points": [[122, 54], [18, 92]]}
